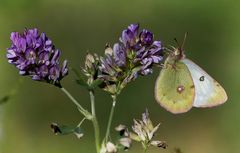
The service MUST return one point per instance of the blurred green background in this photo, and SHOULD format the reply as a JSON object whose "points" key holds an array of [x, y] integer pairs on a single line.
{"points": [[78, 26]]}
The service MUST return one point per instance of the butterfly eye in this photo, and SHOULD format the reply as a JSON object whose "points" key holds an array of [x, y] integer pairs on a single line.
{"points": [[201, 78]]}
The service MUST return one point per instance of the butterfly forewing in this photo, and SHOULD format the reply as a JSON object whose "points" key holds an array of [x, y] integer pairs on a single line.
{"points": [[174, 89], [208, 92]]}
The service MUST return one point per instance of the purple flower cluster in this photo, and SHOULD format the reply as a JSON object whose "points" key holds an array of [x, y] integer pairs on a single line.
{"points": [[134, 54], [142, 45], [35, 55]]}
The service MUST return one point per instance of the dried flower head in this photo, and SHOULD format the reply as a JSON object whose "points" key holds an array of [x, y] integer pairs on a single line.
{"points": [[125, 141], [109, 147], [35, 55], [143, 131], [122, 129], [91, 66]]}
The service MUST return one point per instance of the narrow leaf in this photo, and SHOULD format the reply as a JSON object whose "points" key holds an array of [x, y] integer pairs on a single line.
{"points": [[96, 83], [81, 81], [65, 130]]}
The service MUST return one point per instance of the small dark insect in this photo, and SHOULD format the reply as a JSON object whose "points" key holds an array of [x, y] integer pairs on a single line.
{"points": [[55, 128], [201, 78]]}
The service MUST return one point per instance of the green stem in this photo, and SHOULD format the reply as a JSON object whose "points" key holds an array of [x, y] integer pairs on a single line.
{"points": [[95, 122], [145, 147], [145, 150], [110, 118], [81, 109], [81, 122]]}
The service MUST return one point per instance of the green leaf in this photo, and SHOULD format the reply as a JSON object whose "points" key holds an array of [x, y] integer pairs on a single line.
{"points": [[80, 76], [66, 130], [81, 81], [96, 83]]}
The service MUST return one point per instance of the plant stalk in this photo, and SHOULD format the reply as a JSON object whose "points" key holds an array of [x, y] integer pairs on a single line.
{"points": [[145, 150], [81, 109], [95, 122], [110, 118]]}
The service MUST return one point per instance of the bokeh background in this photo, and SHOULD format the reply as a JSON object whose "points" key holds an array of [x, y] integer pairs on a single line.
{"points": [[78, 26]]}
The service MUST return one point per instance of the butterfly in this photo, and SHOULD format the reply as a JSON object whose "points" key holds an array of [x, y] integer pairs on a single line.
{"points": [[182, 84]]}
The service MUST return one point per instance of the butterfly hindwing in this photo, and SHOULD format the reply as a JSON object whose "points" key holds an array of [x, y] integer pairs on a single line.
{"points": [[208, 92], [174, 89]]}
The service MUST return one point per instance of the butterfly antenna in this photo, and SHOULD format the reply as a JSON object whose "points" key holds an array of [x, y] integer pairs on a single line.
{"points": [[175, 39], [184, 40]]}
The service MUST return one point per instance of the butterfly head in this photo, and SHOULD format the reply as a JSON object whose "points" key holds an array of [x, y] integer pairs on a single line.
{"points": [[177, 53]]}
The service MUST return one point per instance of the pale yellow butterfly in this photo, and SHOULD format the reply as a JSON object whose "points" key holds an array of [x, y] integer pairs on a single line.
{"points": [[182, 84]]}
